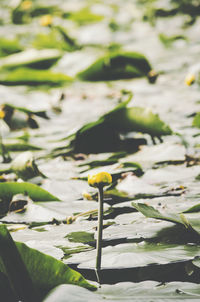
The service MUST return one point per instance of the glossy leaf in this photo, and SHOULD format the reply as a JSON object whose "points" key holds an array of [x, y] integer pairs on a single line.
{"points": [[29, 267], [7, 190]]}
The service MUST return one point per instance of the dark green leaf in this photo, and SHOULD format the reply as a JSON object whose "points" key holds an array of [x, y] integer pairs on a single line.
{"points": [[119, 65], [104, 134], [193, 209]]}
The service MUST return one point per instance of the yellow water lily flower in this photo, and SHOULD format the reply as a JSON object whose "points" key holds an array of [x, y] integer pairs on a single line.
{"points": [[100, 179], [190, 79], [46, 20]]}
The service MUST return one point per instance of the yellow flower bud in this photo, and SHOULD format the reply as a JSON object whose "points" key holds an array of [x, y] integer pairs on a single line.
{"points": [[46, 20], [87, 195], [100, 179], [190, 79]]}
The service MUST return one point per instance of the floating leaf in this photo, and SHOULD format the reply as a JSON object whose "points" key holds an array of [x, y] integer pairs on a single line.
{"points": [[7, 190], [194, 209], [8, 47], [104, 134], [83, 237], [26, 10], [119, 65], [21, 147], [26, 267], [151, 212], [168, 41], [25, 167], [196, 120], [54, 39], [83, 16], [32, 58], [147, 291], [28, 76]]}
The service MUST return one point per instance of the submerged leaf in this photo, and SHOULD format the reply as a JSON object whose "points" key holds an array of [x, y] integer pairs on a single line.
{"points": [[119, 65]]}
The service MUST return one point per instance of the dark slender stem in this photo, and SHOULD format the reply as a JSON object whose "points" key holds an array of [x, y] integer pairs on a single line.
{"points": [[100, 230]]}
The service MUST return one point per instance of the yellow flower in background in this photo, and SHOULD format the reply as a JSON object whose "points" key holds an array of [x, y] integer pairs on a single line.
{"points": [[46, 20], [26, 5], [2, 114], [100, 179], [190, 79]]}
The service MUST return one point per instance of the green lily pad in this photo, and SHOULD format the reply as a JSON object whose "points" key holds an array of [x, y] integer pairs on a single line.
{"points": [[82, 237], [196, 120], [8, 189], [151, 212], [32, 77], [8, 47], [32, 58], [194, 209], [25, 167], [39, 273], [83, 16], [104, 134], [119, 65]]}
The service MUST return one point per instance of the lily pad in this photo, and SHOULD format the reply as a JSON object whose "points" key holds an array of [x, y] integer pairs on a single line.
{"points": [[196, 120], [151, 212], [104, 134], [8, 47], [7, 190], [35, 269], [32, 58], [32, 77], [83, 16], [25, 167], [119, 65]]}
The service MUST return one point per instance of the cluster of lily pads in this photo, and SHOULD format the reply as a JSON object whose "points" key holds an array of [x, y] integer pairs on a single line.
{"points": [[111, 142]]}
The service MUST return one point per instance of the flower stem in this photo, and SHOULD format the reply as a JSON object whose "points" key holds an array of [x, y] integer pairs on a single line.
{"points": [[100, 231]]}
